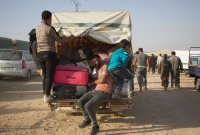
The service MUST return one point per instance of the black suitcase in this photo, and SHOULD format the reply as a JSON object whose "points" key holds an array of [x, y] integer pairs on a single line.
{"points": [[64, 91], [81, 54]]}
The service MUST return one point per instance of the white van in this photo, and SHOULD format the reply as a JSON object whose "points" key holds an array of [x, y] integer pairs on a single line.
{"points": [[16, 63]]}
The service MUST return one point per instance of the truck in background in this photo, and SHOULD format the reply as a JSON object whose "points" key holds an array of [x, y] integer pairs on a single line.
{"points": [[188, 58], [5, 43], [8, 43], [197, 75], [194, 53], [194, 65], [184, 56], [20, 45]]}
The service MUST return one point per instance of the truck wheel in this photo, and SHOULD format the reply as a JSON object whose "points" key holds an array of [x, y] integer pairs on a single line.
{"points": [[198, 84]]}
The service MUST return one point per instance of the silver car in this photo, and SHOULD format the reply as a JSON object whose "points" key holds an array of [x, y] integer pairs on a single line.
{"points": [[16, 63]]}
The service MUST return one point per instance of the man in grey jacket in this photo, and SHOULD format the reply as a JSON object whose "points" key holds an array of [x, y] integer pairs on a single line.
{"points": [[176, 67], [46, 51]]}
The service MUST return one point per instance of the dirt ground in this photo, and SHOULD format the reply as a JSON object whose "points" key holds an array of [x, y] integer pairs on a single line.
{"points": [[154, 112]]}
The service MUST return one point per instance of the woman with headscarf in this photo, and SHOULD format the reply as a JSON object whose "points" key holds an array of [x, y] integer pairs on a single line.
{"points": [[164, 69]]}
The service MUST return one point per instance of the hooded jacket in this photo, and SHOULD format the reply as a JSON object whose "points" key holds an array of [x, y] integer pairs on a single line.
{"points": [[119, 59]]}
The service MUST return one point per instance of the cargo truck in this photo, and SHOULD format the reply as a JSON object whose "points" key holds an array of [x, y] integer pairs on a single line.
{"points": [[194, 65], [103, 30]]}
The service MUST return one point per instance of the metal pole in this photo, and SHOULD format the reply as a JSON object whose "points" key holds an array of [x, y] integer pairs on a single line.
{"points": [[76, 3]]}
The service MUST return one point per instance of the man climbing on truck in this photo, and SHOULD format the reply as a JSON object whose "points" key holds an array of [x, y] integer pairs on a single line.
{"points": [[117, 68]]}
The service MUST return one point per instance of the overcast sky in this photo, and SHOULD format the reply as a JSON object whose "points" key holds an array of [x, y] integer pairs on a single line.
{"points": [[157, 24]]}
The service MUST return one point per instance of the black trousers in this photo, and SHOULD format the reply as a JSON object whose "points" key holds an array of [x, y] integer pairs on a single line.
{"points": [[175, 79], [48, 62]]}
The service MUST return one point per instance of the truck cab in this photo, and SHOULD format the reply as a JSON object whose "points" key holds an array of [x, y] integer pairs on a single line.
{"points": [[194, 65]]}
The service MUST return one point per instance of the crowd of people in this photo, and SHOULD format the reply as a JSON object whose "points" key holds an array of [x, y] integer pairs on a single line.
{"points": [[166, 65], [110, 76]]}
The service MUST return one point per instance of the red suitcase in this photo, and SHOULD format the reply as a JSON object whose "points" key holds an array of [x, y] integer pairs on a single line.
{"points": [[68, 74]]}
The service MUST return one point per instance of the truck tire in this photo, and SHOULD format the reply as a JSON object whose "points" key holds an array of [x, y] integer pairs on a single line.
{"points": [[198, 84]]}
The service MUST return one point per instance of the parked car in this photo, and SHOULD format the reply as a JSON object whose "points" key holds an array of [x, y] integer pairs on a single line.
{"points": [[16, 63]]}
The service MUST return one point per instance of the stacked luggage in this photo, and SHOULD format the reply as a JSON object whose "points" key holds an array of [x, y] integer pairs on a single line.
{"points": [[70, 82], [71, 79]]}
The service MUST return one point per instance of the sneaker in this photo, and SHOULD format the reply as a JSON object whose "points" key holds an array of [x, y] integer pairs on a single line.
{"points": [[84, 124], [47, 98], [132, 94], [95, 130], [176, 88], [140, 88], [116, 96]]}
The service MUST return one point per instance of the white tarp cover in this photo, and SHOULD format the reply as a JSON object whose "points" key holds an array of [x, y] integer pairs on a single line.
{"points": [[106, 26]]}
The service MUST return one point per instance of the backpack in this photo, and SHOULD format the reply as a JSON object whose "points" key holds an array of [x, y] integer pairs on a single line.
{"points": [[33, 47], [32, 39]]}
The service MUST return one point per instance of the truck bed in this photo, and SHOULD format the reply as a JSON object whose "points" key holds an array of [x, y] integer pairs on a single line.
{"points": [[108, 106]]}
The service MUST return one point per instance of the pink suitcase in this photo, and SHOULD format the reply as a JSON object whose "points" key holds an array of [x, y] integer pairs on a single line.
{"points": [[68, 74]]}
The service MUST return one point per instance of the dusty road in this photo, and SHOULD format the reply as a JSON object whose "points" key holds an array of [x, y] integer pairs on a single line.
{"points": [[154, 112]]}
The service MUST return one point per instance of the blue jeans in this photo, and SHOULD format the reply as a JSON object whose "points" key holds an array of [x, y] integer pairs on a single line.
{"points": [[90, 102], [119, 74], [142, 76]]}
